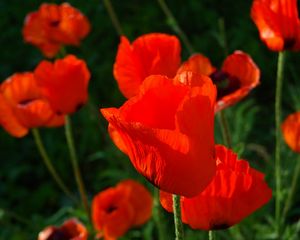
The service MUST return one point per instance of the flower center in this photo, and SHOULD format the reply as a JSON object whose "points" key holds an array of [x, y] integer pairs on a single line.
{"points": [[225, 83], [54, 23], [26, 101], [111, 209], [58, 235]]}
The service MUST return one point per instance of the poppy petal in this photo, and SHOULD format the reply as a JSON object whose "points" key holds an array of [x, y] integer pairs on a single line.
{"points": [[53, 26], [74, 229], [197, 63], [277, 22], [247, 74], [8, 120], [291, 131], [149, 54], [267, 24], [28, 106], [234, 193], [141, 200], [64, 83], [71, 229], [72, 27], [159, 137], [112, 213]]}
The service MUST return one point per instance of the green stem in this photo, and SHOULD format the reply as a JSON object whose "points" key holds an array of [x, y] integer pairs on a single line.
{"points": [[157, 216], [177, 217], [223, 36], [224, 128], [18, 218], [221, 115], [49, 165], [211, 235], [74, 161], [113, 16], [174, 24], [279, 78], [292, 190]]}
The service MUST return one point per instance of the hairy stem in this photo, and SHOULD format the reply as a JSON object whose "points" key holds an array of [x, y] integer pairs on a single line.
{"points": [[74, 162], [113, 16], [177, 217], [49, 165], [174, 24], [279, 78]]}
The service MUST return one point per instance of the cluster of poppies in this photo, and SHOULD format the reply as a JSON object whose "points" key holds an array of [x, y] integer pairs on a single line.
{"points": [[114, 211], [166, 125]]}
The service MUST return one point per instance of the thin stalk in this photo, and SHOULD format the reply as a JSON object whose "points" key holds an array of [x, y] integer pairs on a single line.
{"points": [[221, 115], [279, 78], [223, 36], [74, 161], [291, 190], [224, 128], [158, 216], [113, 16], [18, 218], [49, 165], [211, 235], [177, 217], [174, 24]]}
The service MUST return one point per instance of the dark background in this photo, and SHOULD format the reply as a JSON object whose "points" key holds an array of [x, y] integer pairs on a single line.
{"points": [[30, 200]]}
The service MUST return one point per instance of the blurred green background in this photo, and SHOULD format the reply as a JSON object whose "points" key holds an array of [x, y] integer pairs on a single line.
{"points": [[30, 200]]}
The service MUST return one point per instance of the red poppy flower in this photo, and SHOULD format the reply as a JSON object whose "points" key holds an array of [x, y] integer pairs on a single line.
{"points": [[22, 106], [116, 210], [291, 131], [71, 229], [278, 23], [150, 54], [238, 75], [236, 191], [53, 26], [167, 131], [64, 83]]}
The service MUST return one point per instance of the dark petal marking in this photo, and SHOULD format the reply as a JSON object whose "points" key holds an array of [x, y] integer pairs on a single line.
{"points": [[219, 226], [289, 43], [58, 235], [225, 83], [111, 209]]}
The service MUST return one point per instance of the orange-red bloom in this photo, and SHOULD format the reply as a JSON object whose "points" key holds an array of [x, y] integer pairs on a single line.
{"points": [[278, 23], [291, 131], [236, 191], [22, 106], [116, 210], [71, 229], [53, 26], [64, 83], [167, 131], [150, 54], [238, 75]]}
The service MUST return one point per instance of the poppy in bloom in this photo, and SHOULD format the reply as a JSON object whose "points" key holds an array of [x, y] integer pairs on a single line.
{"points": [[71, 229], [150, 54], [167, 131], [64, 83], [238, 75], [22, 106], [278, 23], [235, 192], [117, 209], [53, 26], [291, 131]]}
